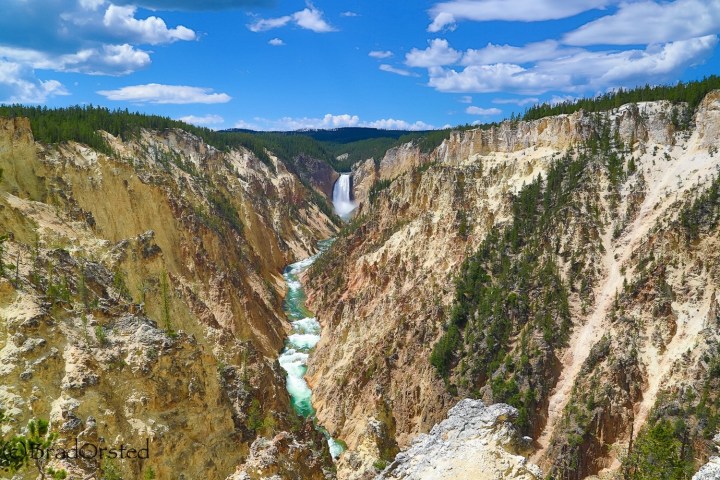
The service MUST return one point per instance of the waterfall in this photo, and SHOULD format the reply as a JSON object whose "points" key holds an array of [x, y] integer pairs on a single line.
{"points": [[342, 196]]}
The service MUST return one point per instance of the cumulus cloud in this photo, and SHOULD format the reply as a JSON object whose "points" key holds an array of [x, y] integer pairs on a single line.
{"points": [[102, 60], [349, 14], [380, 54], [445, 14], [556, 99], [86, 36], [328, 121], [516, 101], [493, 78], [165, 94], [473, 110], [91, 4], [344, 120], [397, 71], [310, 18], [189, 5], [269, 23], [660, 39], [583, 70], [393, 124], [276, 42], [121, 21], [203, 120], [647, 22], [18, 84], [532, 52], [300, 123], [439, 53]]}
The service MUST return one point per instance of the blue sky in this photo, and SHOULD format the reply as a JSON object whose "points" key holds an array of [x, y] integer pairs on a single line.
{"points": [[289, 64]]}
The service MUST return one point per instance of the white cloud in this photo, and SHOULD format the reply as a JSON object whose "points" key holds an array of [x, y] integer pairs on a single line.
{"points": [[647, 22], [310, 18], [247, 125], [532, 52], [393, 124], [103, 60], [165, 94], [121, 21], [349, 14], [91, 4], [202, 121], [397, 71], [439, 53], [193, 5], [494, 78], [18, 84], [473, 110], [115, 59], [269, 23], [442, 21], [276, 42], [585, 70], [345, 120], [446, 14], [300, 123], [516, 101], [466, 99], [86, 36], [328, 121], [555, 99], [380, 54]]}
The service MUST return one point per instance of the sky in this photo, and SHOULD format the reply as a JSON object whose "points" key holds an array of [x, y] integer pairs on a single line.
{"points": [[288, 65]]}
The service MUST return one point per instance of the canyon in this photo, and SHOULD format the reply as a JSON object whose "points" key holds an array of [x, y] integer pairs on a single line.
{"points": [[528, 299]]}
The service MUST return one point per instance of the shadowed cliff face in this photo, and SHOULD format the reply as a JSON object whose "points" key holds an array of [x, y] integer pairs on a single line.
{"points": [[386, 291], [146, 300], [318, 173]]}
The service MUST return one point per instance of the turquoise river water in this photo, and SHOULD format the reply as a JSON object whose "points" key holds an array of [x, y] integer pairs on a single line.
{"points": [[299, 345]]}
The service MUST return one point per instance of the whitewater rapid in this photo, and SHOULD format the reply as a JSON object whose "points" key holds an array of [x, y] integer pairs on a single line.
{"points": [[299, 344]]}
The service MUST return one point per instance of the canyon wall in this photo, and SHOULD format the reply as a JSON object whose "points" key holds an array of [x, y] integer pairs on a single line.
{"points": [[386, 292], [144, 302]]}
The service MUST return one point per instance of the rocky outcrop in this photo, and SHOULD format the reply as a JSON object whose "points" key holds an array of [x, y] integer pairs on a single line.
{"points": [[709, 471], [364, 176], [708, 130], [475, 441], [286, 456]]}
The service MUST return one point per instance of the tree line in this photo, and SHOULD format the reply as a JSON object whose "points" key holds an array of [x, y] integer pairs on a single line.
{"points": [[691, 93]]}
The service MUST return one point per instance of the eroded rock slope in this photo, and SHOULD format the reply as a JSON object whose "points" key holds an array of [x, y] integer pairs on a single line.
{"points": [[141, 300], [563, 265]]}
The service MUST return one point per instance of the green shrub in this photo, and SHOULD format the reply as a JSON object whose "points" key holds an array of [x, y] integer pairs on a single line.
{"points": [[100, 335], [444, 350], [661, 452]]}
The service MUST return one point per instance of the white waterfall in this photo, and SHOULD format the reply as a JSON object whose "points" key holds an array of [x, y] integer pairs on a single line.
{"points": [[342, 196]]}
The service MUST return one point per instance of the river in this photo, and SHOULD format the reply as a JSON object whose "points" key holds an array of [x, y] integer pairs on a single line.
{"points": [[299, 345]]}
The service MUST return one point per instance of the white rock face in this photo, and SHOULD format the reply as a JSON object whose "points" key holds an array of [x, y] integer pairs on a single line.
{"points": [[475, 442], [709, 471]]}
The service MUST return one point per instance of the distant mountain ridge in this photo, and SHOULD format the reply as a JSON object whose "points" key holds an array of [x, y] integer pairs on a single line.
{"points": [[339, 135]]}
